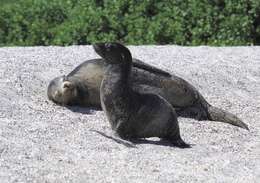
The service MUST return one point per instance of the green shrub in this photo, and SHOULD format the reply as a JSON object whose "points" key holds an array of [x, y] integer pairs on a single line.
{"points": [[182, 22]]}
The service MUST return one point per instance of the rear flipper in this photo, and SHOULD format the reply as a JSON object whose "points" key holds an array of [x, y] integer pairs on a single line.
{"points": [[180, 143], [217, 114], [207, 112]]}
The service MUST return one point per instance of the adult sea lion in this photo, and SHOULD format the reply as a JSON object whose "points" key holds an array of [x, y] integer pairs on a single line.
{"points": [[81, 87], [133, 114]]}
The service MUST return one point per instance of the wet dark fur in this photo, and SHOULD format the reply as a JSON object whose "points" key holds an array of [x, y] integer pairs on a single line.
{"points": [[133, 114]]}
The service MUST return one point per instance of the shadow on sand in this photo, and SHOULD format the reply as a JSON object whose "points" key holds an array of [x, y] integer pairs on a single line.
{"points": [[83, 110], [132, 143]]}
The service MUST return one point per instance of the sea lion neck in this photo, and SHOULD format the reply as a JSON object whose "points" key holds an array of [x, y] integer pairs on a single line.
{"points": [[118, 75], [116, 93], [127, 57], [123, 66]]}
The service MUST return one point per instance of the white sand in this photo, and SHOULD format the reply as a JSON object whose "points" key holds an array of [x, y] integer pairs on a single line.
{"points": [[43, 142]]}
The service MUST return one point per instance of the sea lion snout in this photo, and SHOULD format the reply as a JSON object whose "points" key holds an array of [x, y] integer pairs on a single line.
{"points": [[99, 48], [113, 53]]}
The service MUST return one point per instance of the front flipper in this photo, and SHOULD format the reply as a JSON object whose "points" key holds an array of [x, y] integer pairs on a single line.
{"points": [[117, 139], [142, 65]]}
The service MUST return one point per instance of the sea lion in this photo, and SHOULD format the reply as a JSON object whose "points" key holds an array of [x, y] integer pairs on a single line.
{"points": [[81, 87], [133, 114]]}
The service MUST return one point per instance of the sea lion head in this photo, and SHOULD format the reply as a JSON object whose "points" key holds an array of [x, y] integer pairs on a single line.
{"points": [[113, 53], [62, 91]]}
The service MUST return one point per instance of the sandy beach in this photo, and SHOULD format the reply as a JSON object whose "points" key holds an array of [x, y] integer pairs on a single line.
{"points": [[43, 142]]}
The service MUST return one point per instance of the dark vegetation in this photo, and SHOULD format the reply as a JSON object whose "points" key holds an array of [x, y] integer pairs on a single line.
{"points": [[182, 22]]}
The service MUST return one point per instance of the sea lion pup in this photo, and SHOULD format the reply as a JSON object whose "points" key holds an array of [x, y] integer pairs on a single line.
{"points": [[133, 114], [81, 87]]}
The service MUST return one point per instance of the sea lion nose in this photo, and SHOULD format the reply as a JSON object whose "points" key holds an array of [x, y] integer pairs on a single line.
{"points": [[99, 47]]}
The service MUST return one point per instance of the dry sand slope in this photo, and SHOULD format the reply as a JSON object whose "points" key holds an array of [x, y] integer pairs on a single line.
{"points": [[43, 142]]}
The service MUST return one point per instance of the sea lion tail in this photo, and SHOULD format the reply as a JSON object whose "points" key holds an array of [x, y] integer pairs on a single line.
{"points": [[217, 114]]}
